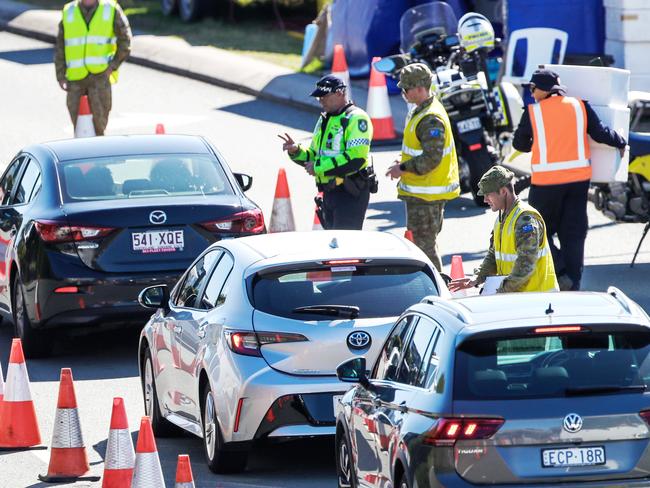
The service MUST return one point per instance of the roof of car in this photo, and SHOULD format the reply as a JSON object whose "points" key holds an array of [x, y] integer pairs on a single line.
{"points": [[97, 147], [481, 313]]}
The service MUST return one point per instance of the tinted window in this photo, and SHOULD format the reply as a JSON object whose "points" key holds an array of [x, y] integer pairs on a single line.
{"points": [[378, 291], [412, 369], [143, 176], [27, 187], [214, 294], [552, 365], [389, 359], [9, 181], [196, 277]]}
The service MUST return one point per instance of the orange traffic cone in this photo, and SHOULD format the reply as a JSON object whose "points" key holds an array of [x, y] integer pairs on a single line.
{"points": [[379, 106], [84, 126], [184, 477], [160, 129], [18, 424], [340, 66], [120, 458], [282, 214], [317, 225], [147, 472], [409, 235], [68, 460], [457, 273]]}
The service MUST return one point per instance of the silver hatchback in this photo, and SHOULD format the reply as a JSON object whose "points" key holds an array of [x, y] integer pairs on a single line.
{"points": [[245, 347], [527, 389]]}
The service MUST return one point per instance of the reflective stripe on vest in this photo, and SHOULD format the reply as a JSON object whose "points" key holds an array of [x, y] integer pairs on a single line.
{"points": [[89, 48], [560, 146], [442, 182], [505, 251]]}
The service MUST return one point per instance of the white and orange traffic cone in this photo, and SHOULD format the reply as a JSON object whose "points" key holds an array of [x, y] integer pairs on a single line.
{"points": [[120, 458], [282, 213], [147, 472], [68, 460], [317, 225], [340, 67], [379, 106], [84, 126], [18, 424], [184, 477], [457, 273], [160, 129]]}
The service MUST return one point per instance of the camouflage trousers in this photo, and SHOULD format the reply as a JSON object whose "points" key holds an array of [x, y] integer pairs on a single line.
{"points": [[424, 220], [98, 89]]}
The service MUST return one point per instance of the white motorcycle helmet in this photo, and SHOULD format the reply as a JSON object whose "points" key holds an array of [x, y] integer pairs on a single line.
{"points": [[475, 32]]}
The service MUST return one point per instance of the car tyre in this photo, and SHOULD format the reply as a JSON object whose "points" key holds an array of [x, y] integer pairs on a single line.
{"points": [[344, 466], [191, 10], [169, 7], [219, 459], [36, 343], [160, 425], [403, 482]]}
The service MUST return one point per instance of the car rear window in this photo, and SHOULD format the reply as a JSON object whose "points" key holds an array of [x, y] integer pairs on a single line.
{"points": [[378, 290], [555, 365], [142, 176]]}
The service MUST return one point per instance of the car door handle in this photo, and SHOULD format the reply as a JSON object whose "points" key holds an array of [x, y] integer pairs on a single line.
{"points": [[402, 407], [201, 332], [178, 329]]}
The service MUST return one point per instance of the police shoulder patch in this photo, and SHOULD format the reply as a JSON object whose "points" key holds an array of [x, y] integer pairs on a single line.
{"points": [[363, 125]]}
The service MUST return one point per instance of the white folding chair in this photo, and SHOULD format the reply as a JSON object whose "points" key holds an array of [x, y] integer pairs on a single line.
{"points": [[541, 44]]}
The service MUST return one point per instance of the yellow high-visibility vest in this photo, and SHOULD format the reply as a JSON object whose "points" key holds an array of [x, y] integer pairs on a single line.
{"points": [[88, 48], [442, 183], [505, 251]]}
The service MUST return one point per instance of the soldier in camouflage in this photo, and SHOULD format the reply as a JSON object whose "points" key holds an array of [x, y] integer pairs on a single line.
{"points": [[518, 246], [428, 169]]}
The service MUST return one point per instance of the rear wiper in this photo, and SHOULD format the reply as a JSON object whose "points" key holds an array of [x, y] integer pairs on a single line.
{"points": [[587, 390], [348, 311]]}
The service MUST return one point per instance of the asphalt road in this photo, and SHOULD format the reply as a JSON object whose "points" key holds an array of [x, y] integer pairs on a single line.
{"points": [[245, 129]]}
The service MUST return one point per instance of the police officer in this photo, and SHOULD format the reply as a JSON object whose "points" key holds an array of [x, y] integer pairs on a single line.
{"points": [[338, 156], [428, 169], [94, 38], [556, 129], [519, 247]]}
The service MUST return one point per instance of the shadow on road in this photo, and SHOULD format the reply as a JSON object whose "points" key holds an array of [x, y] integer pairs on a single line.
{"points": [[631, 281], [29, 56], [102, 355]]}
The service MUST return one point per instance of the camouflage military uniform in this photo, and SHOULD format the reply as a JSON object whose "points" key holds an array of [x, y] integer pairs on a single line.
{"points": [[96, 86], [529, 232], [423, 218]]}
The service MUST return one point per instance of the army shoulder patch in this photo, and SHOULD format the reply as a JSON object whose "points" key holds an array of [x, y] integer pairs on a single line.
{"points": [[363, 125], [435, 132]]}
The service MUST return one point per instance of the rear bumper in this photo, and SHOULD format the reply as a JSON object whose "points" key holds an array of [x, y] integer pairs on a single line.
{"points": [[102, 301]]}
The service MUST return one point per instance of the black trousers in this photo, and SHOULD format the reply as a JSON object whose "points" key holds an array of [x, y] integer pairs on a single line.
{"points": [[341, 210], [564, 209]]}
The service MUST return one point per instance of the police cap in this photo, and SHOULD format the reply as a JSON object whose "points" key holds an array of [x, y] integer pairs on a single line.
{"points": [[328, 84]]}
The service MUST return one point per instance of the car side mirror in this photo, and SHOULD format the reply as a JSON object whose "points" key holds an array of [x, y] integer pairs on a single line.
{"points": [[353, 371], [245, 181], [155, 297]]}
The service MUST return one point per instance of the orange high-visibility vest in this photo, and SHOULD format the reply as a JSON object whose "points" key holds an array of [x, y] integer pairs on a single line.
{"points": [[560, 146]]}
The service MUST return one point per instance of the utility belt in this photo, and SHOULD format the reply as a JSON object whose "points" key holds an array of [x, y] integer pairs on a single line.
{"points": [[353, 183]]}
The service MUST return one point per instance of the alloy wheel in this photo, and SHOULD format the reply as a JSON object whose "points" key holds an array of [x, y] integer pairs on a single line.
{"points": [[210, 428], [344, 463], [148, 387]]}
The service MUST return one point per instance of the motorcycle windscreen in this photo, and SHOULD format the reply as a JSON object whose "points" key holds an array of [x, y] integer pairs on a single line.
{"points": [[430, 18]]}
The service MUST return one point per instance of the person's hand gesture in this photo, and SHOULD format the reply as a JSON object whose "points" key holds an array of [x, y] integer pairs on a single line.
{"points": [[394, 171], [461, 284], [289, 144]]}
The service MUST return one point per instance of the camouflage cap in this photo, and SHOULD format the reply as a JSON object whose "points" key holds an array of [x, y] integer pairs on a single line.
{"points": [[414, 75], [494, 179]]}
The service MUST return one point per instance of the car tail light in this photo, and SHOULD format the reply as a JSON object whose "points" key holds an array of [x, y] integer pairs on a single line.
{"points": [[249, 222], [560, 329], [450, 430], [66, 289], [340, 262], [59, 232], [249, 343], [475, 147], [645, 415]]}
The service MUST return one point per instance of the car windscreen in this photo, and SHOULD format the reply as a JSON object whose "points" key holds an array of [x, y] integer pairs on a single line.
{"points": [[140, 176], [377, 291], [556, 365]]}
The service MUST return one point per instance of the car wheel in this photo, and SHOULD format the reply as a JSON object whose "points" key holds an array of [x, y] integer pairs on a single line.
{"points": [[191, 10], [219, 459], [36, 343], [161, 426], [344, 466], [169, 7]]}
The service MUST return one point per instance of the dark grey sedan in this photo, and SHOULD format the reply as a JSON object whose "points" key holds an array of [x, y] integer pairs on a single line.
{"points": [[529, 389]]}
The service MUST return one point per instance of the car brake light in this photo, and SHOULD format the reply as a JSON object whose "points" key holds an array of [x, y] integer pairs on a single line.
{"points": [[66, 289], [558, 329], [645, 415], [449, 430], [249, 222], [475, 147], [339, 262], [58, 232], [249, 343]]}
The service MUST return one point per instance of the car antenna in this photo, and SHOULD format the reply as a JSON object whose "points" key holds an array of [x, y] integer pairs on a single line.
{"points": [[334, 243], [549, 310]]}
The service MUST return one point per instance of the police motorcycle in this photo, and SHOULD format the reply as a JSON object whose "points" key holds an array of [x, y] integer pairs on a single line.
{"points": [[482, 114], [630, 201]]}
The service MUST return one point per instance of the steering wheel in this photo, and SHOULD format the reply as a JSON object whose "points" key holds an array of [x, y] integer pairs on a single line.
{"points": [[556, 358]]}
